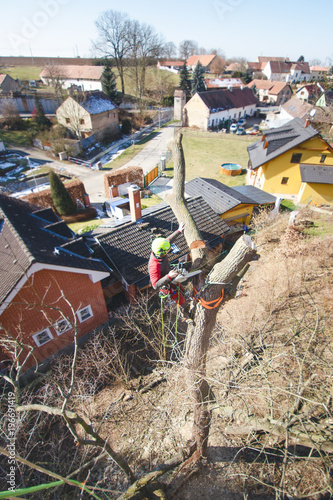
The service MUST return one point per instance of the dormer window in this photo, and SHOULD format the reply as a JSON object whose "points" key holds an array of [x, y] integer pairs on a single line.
{"points": [[296, 158], [323, 158]]}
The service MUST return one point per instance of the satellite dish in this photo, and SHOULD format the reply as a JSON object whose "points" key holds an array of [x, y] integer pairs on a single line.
{"points": [[312, 112]]}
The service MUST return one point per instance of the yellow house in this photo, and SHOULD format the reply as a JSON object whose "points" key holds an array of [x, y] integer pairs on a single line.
{"points": [[233, 205], [293, 161]]}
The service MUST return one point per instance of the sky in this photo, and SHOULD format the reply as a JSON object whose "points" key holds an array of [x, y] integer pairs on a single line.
{"points": [[239, 28]]}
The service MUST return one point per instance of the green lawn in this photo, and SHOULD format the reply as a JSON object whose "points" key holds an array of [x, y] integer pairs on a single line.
{"points": [[205, 152], [23, 72], [15, 137]]}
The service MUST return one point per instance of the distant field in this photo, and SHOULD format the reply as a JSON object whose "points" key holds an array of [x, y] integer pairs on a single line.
{"points": [[23, 72]]}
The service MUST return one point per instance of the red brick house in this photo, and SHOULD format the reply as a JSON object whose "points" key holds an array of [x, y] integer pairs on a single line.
{"points": [[49, 283]]}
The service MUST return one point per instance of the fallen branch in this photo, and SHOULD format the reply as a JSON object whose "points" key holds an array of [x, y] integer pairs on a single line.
{"points": [[318, 437]]}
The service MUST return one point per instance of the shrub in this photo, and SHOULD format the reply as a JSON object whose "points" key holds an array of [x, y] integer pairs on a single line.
{"points": [[126, 126], [60, 196]]}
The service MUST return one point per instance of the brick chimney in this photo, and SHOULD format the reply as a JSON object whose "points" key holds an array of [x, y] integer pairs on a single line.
{"points": [[114, 192], [134, 202], [307, 123]]}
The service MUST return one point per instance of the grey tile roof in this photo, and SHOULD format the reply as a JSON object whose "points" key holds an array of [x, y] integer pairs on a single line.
{"points": [[219, 197], [258, 196], [129, 246], [279, 141], [316, 174], [27, 238]]}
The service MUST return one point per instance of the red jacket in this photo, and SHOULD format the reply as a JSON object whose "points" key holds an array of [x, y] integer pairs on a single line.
{"points": [[159, 268]]}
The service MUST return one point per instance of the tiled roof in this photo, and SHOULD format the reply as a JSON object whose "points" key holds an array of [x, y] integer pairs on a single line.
{"points": [[97, 102], [296, 107], [171, 63], [205, 60], [320, 68], [303, 67], [74, 72], [267, 59], [279, 140], [280, 66], [274, 88], [129, 245], [258, 196], [316, 174], [26, 238], [218, 100], [219, 197]]}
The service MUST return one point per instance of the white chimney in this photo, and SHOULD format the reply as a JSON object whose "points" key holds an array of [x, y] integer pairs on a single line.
{"points": [[134, 202]]}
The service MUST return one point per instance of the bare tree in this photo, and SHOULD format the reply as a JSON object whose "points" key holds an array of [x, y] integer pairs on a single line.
{"points": [[187, 48], [114, 41], [146, 46], [56, 76], [210, 283], [169, 50], [10, 114]]}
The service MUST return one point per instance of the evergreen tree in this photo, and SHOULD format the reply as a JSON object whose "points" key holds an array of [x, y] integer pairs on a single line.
{"points": [[185, 82], [198, 82], [60, 196], [109, 82], [42, 122]]}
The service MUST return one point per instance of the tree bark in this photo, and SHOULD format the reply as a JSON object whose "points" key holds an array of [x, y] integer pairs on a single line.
{"points": [[198, 334]]}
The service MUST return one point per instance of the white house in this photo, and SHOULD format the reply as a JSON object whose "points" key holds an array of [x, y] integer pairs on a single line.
{"points": [[318, 72], [209, 109], [287, 71], [85, 77]]}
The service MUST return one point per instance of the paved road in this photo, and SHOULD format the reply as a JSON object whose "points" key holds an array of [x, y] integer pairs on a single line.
{"points": [[93, 180], [155, 149]]}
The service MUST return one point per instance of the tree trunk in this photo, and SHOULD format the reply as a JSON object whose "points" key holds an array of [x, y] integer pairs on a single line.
{"points": [[198, 335]]}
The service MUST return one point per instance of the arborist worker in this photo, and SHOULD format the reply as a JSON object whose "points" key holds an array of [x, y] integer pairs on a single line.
{"points": [[159, 267]]}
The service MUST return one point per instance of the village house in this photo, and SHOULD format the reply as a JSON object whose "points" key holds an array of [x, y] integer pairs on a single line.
{"points": [[287, 71], [271, 92], [207, 62], [310, 92], [84, 78], [210, 109], [235, 207], [50, 283], [319, 72], [293, 161], [91, 113], [173, 66], [8, 84]]}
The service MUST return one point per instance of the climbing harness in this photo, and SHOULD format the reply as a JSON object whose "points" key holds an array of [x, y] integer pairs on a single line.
{"points": [[208, 304]]}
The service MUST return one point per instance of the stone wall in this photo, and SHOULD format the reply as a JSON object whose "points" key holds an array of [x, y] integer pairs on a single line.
{"points": [[122, 176]]}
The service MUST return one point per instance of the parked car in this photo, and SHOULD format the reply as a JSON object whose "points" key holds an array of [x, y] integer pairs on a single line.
{"points": [[241, 122], [240, 131], [233, 128], [254, 130]]}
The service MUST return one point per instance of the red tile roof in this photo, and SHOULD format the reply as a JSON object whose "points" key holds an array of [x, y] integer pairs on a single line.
{"points": [[205, 60], [273, 87]]}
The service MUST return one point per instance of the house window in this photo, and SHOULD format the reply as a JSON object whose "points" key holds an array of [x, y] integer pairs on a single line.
{"points": [[42, 337], [296, 158], [81, 121], [323, 158], [62, 326], [285, 180], [67, 120], [84, 314]]}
